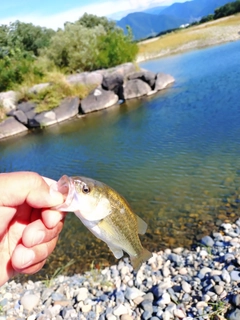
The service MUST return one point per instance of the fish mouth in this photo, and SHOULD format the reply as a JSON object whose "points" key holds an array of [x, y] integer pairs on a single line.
{"points": [[65, 186]]}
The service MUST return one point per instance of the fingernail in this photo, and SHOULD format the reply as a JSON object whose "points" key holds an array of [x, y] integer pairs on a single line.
{"points": [[38, 237], [27, 258]]}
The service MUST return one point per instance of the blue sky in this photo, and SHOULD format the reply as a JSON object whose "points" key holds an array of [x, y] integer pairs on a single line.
{"points": [[53, 14]]}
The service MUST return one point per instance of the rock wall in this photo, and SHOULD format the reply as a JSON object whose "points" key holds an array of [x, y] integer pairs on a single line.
{"points": [[113, 85]]}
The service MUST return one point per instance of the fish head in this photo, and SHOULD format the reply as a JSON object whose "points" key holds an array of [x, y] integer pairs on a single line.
{"points": [[86, 197]]}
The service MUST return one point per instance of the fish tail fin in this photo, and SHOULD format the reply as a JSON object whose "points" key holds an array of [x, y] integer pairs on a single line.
{"points": [[139, 259]]}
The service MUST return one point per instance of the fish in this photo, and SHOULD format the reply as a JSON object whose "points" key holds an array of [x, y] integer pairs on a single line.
{"points": [[107, 214]]}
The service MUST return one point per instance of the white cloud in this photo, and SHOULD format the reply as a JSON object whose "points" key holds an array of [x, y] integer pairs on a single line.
{"points": [[107, 8]]}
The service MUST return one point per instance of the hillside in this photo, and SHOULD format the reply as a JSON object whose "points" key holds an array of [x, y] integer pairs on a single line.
{"points": [[145, 25]]}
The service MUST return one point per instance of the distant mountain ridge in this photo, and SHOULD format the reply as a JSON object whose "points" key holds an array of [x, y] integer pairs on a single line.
{"points": [[155, 20]]}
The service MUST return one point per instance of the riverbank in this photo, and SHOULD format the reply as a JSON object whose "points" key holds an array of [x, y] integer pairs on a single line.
{"points": [[204, 35], [174, 284]]}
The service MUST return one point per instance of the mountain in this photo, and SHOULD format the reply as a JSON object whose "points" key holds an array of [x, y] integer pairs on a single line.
{"points": [[194, 10], [159, 19], [145, 25]]}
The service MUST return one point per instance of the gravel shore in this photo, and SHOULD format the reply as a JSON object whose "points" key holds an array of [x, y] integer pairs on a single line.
{"points": [[202, 283]]}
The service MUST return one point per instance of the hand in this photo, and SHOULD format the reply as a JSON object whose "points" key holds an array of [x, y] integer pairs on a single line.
{"points": [[29, 229]]}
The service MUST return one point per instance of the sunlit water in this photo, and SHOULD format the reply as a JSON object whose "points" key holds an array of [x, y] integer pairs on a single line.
{"points": [[174, 156]]}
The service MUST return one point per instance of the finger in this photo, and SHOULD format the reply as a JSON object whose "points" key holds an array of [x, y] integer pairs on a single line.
{"points": [[52, 217], [18, 187], [36, 233], [30, 260]]}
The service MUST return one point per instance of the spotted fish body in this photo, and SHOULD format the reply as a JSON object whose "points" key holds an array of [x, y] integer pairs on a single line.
{"points": [[107, 215]]}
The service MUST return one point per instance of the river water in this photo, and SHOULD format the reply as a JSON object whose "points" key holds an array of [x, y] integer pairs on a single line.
{"points": [[175, 156]]}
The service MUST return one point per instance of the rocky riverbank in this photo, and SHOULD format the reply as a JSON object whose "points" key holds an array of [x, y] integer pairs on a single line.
{"points": [[202, 283], [112, 86]]}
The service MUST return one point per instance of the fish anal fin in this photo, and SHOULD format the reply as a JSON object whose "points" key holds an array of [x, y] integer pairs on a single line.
{"points": [[142, 226], [117, 252], [139, 259]]}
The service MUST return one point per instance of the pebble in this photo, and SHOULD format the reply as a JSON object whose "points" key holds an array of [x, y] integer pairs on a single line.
{"points": [[174, 284]]}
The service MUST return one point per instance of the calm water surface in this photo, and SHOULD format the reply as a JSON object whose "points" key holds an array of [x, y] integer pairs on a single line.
{"points": [[174, 156]]}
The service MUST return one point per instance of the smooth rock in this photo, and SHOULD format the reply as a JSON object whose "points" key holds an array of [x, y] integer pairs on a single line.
{"points": [[235, 275], [135, 88], [207, 241], [234, 315], [163, 80], [98, 99], [86, 78], [68, 108], [30, 301], [146, 76], [186, 287], [133, 293], [20, 116], [10, 127], [119, 310]]}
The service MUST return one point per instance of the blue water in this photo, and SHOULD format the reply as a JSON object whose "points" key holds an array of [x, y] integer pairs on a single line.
{"points": [[175, 156]]}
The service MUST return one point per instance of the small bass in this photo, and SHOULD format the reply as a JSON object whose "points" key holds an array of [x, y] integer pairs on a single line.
{"points": [[107, 215]]}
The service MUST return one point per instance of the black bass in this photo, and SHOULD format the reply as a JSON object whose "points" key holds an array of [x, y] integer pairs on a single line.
{"points": [[107, 215]]}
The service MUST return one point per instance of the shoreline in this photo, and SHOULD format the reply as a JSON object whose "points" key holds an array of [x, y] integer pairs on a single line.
{"points": [[205, 35], [174, 284]]}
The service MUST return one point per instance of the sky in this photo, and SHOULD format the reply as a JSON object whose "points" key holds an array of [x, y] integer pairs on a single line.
{"points": [[53, 14]]}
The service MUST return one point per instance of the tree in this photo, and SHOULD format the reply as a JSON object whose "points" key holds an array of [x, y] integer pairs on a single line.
{"points": [[91, 21], [91, 43], [75, 47]]}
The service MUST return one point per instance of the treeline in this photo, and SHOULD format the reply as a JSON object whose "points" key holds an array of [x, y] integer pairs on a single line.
{"points": [[28, 52], [224, 11]]}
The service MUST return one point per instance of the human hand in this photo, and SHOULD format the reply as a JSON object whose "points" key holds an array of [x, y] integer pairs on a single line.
{"points": [[29, 228]]}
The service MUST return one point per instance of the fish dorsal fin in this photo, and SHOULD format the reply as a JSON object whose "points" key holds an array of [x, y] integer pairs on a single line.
{"points": [[142, 226]]}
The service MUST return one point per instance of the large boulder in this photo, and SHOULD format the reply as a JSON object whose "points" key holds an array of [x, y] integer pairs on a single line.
{"points": [[98, 99], [28, 108], [44, 119], [8, 100], [67, 109], [163, 80], [123, 69], [21, 117], [86, 78], [10, 127], [113, 82], [135, 88], [146, 76]]}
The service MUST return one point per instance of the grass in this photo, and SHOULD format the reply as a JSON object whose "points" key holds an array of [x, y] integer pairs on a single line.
{"points": [[51, 96], [193, 37], [59, 271]]}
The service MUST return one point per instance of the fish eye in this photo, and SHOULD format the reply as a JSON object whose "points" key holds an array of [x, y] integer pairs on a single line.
{"points": [[85, 189]]}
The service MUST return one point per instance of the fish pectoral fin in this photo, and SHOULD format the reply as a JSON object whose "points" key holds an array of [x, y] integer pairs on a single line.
{"points": [[140, 258], [117, 252], [142, 226]]}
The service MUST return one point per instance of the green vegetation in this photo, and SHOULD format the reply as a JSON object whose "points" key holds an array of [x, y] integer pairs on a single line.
{"points": [[28, 52], [51, 96], [224, 11], [59, 271]]}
